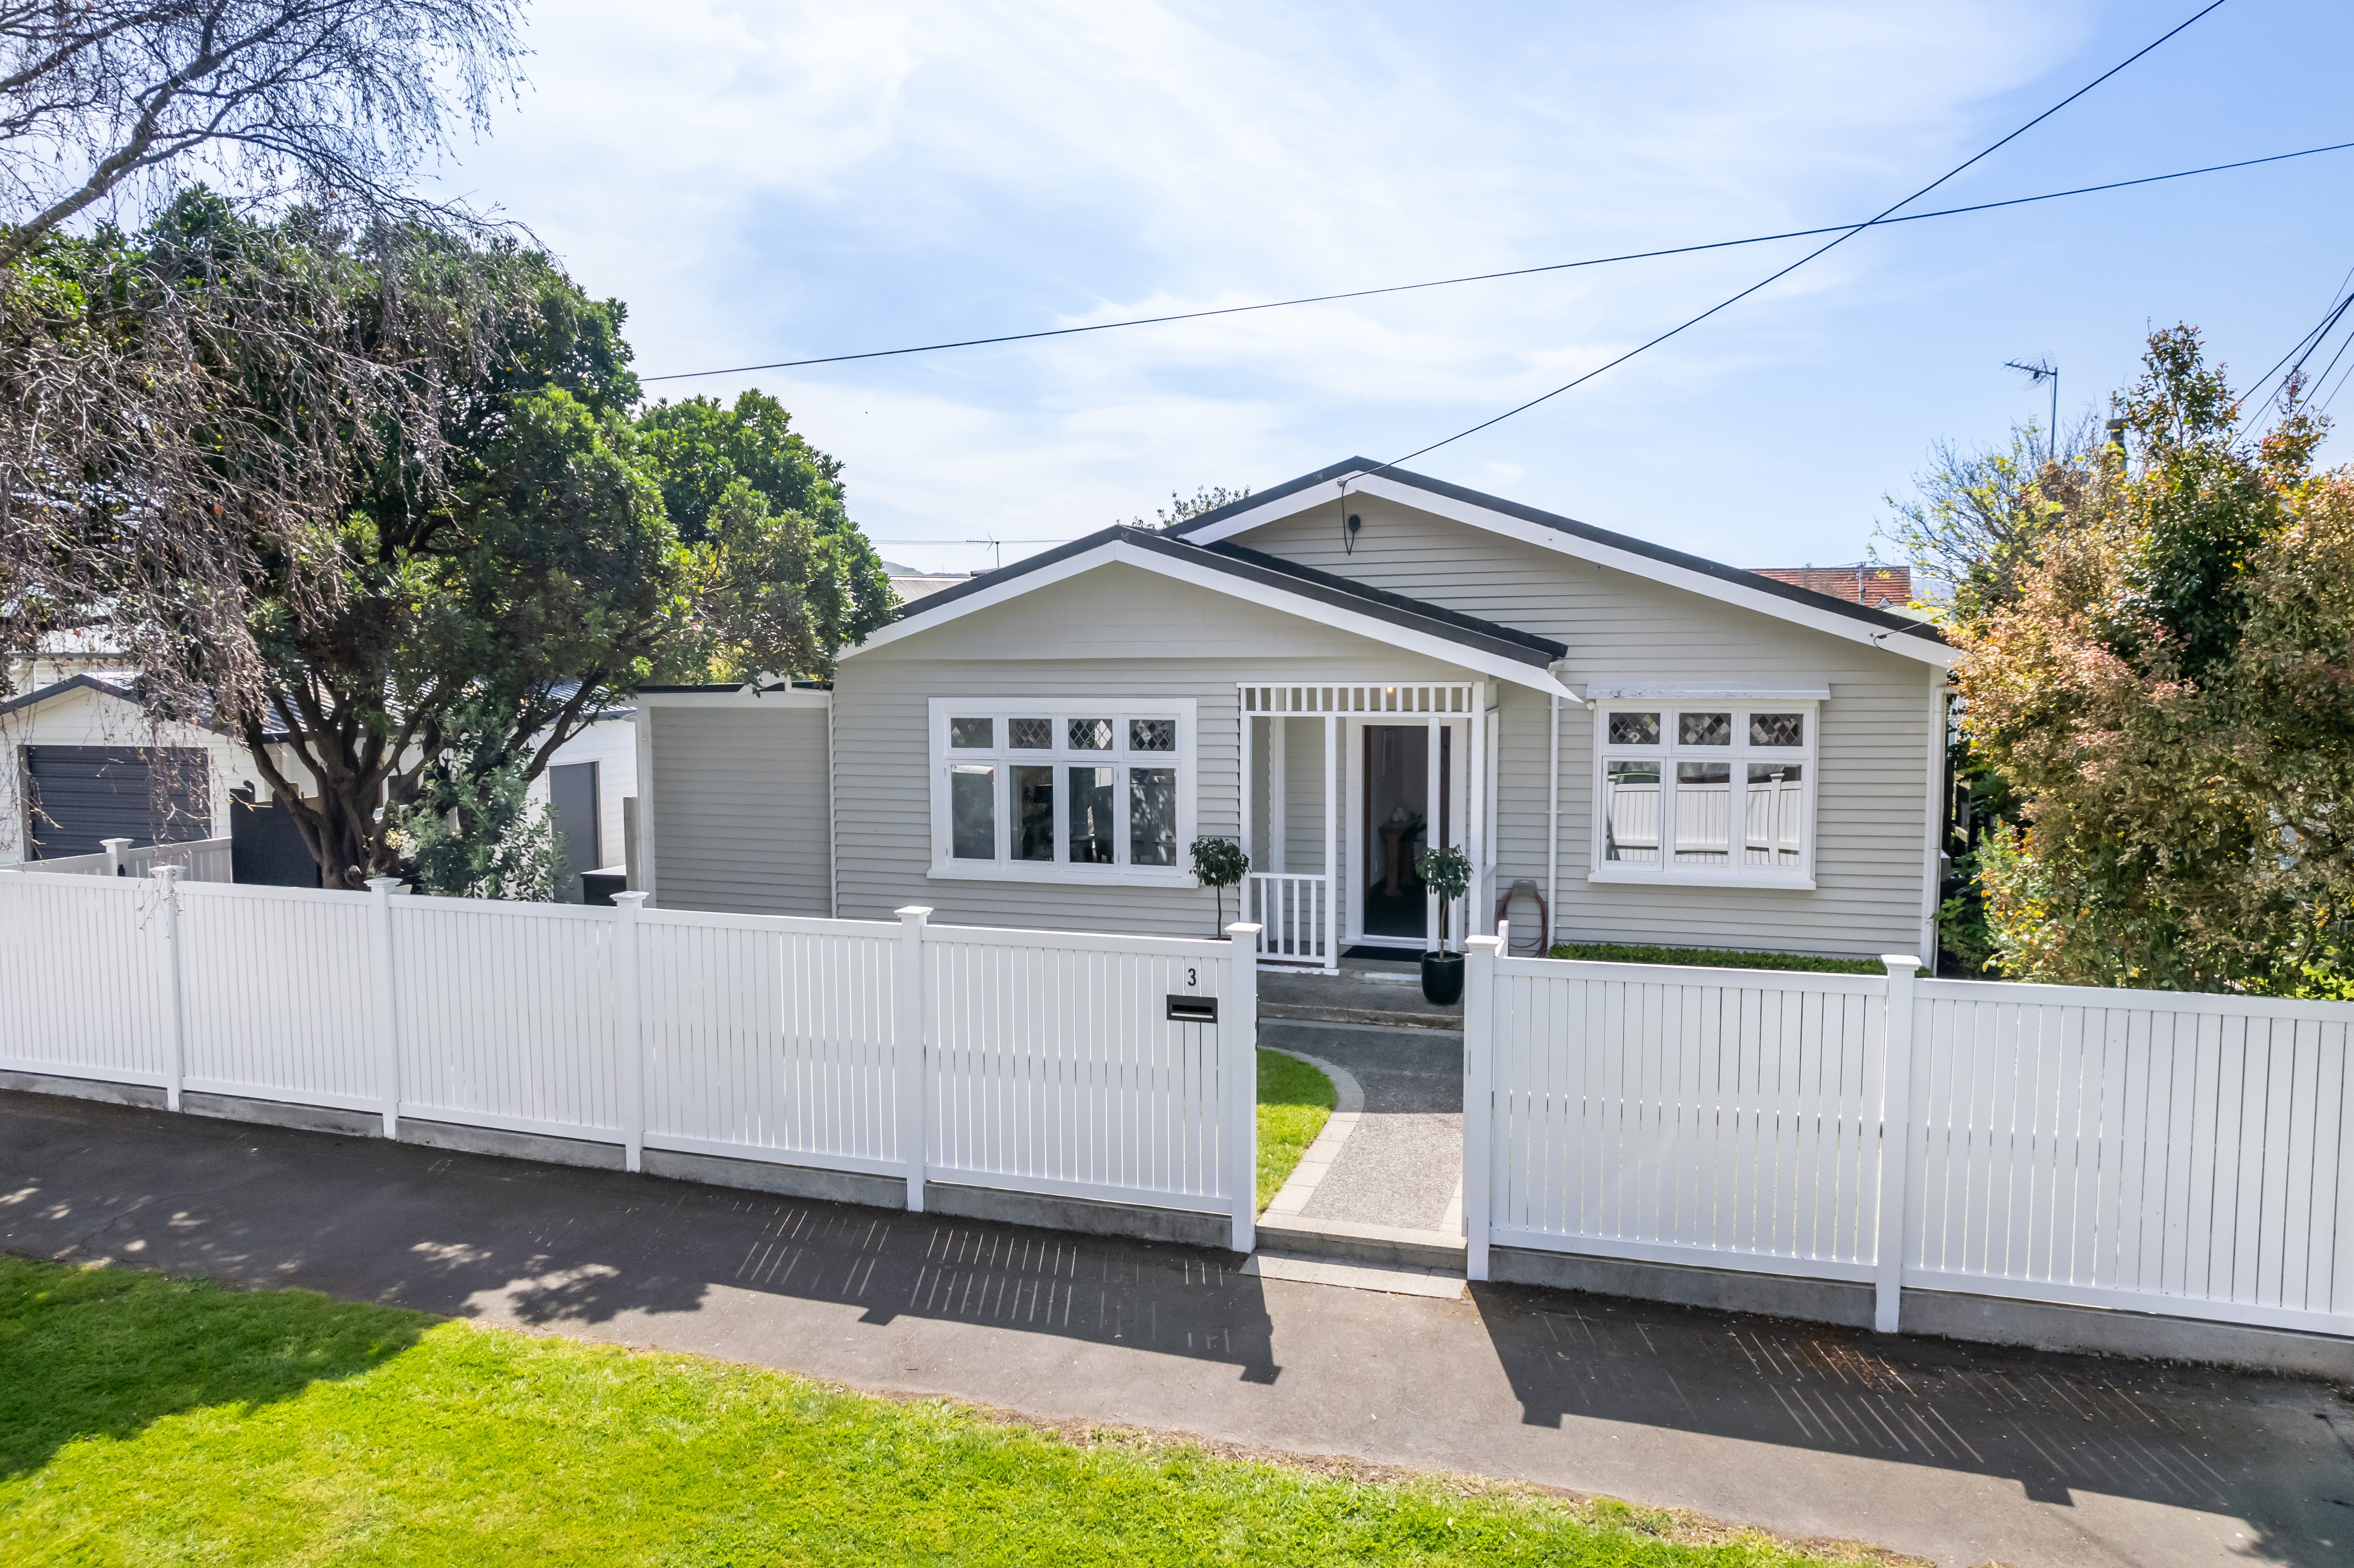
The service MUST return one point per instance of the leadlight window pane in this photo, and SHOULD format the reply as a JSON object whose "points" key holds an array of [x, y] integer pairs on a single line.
{"points": [[1152, 735], [972, 734], [1704, 729], [1152, 816], [1634, 730], [1776, 809], [1030, 735], [1778, 729], [1703, 813], [1631, 819], [1091, 734], [1034, 809], [1092, 824], [973, 810]]}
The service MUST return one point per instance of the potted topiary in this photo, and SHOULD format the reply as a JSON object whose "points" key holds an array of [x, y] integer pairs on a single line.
{"points": [[1220, 864], [1447, 873]]}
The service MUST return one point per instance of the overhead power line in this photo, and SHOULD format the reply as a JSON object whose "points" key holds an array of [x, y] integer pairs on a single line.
{"points": [[1493, 277], [1784, 273]]}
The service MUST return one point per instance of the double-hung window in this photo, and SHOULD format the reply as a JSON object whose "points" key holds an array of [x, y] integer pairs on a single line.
{"points": [[1714, 792], [1062, 790]]}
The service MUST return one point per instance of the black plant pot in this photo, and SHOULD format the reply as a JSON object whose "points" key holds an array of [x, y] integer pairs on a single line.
{"points": [[1442, 978]]}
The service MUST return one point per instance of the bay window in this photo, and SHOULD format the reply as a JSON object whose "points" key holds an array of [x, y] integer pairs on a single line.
{"points": [[1707, 792], [1062, 790]]}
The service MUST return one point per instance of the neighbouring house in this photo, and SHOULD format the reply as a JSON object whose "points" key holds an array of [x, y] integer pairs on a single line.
{"points": [[1338, 672], [908, 585], [86, 762], [1864, 582]]}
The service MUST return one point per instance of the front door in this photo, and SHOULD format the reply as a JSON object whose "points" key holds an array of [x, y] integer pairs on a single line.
{"points": [[1399, 805]]}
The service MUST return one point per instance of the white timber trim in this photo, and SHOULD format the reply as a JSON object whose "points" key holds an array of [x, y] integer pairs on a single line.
{"points": [[734, 697], [1933, 828], [1585, 549], [1115, 551]]}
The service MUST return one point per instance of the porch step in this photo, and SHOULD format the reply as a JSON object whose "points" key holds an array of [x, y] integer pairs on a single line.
{"points": [[1344, 1241], [1384, 1001]]}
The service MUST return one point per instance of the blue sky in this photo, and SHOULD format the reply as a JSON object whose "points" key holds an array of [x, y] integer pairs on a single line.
{"points": [[773, 181]]}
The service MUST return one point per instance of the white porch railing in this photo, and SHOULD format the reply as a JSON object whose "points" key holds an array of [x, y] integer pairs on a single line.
{"points": [[199, 860], [1293, 911]]}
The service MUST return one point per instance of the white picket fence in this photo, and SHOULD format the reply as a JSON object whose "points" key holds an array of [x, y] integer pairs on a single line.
{"points": [[1050, 1062], [199, 860], [2189, 1155]]}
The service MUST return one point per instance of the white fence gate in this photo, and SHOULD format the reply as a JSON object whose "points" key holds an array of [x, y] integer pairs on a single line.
{"points": [[2189, 1155], [1119, 1068]]}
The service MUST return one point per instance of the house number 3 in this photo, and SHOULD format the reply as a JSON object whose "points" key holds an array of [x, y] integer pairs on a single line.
{"points": [[1192, 977]]}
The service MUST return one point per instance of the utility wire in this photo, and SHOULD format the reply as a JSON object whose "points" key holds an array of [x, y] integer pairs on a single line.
{"points": [[1492, 277], [2301, 350], [1775, 277]]}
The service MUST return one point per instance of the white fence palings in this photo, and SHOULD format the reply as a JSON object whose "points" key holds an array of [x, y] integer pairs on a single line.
{"points": [[771, 1038], [752, 1037], [2170, 1153], [85, 968], [2190, 1155], [1685, 1114], [1056, 1072], [281, 995], [506, 1015]]}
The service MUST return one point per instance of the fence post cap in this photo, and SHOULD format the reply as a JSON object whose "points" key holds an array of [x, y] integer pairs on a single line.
{"points": [[1901, 963], [382, 886], [1243, 930], [169, 872], [915, 913], [117, 844], [629, 900], [1491, 946]]}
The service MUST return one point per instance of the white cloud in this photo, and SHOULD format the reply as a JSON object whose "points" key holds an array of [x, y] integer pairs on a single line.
{"points": [[770, 181]]}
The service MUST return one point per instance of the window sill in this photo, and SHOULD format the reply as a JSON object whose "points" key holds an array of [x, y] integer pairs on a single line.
{"points": [[1633, 878], [1062, 876]]}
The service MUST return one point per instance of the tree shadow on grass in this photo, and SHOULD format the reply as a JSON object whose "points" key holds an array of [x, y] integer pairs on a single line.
{"points": [[103, 1352]]}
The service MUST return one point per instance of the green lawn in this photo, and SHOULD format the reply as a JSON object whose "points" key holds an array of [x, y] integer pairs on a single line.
{"points": [[1713, 957], [1295, 1100], [146, 1419]]}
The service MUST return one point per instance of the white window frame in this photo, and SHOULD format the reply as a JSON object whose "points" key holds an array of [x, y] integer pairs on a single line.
{"points": [[1733, 873], [1062, 757]]}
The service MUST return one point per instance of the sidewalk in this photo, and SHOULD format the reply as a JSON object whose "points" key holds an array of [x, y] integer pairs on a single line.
{"points": [[1962, 1455]]}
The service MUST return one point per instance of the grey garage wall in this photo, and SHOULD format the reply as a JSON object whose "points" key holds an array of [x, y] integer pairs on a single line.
{"points": [[740, 810]]}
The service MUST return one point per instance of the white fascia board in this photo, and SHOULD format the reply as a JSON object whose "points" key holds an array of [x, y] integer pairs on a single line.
{"points": [[1601, 555], [1536, 677], [736, 697], [1707, 691]]}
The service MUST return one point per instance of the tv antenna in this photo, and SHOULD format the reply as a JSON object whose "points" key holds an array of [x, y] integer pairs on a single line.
{"points": [[2043, 370]]}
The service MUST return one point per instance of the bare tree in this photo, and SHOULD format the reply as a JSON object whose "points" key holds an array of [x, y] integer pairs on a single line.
{"points": [[339, 99]]}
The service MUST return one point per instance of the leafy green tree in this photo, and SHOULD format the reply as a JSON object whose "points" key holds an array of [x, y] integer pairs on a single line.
{"points": [[783, 578], [2169, 692]]}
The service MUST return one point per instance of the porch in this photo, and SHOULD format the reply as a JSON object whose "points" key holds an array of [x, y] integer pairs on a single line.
{"points": [[1343, 788]]}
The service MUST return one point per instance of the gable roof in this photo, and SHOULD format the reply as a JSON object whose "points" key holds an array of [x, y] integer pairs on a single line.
{"points": [[121, 691], [1904, 635], [1408, 624]]}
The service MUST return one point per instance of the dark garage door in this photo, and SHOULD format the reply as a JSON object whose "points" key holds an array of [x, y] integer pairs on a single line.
{"points": [[78, 796]]}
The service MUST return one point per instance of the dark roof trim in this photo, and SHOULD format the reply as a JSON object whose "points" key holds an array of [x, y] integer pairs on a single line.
{"points": [[1396, 607], [71, 684], [1736, 576], [1271, 571]]}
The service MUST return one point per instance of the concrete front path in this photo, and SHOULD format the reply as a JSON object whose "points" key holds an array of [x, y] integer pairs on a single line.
{"points": [[1958, 1454], [1403, 1164]]}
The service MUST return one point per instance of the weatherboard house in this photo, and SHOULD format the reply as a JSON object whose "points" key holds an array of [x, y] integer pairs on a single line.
{"points": [[1630, 743]]}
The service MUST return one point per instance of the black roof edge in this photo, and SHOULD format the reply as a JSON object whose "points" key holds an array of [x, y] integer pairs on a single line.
{"points": [[1388, 606], [1736, 575], [1261, 497], [71, 684], [1028, 564], [1305, 581]]}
